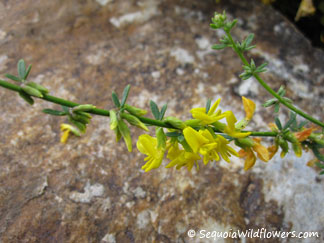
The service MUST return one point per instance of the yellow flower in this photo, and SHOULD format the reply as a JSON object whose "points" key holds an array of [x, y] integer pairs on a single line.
{"points": [[66, 129], [304, 134], [148, 146], [272, 150], [230, 128], [206, 144], [249, 155], [249, 108], [210, 117], [181, 157]]}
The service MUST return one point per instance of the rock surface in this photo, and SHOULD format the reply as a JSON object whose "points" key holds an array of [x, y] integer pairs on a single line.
{"points": [[92, 189]]}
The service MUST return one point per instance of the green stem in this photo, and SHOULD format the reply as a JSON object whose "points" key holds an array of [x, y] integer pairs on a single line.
{"points": [[102, 112], [270, 90]]}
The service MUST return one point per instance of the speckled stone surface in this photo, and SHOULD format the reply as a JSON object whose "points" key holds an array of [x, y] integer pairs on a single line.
{"points": [[92, 189]]}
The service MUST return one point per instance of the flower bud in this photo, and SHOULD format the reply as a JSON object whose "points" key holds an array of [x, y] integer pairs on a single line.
{"points": [[297, 149], [81, 118], [175, 122], [192, 122], [244, 142], [31, 91], [134, 110], [284, 146], [124, 131], [133, 120], [242, 124], [290, 137], [113, 120], [161, 138], [39, 87], [85, 107]]}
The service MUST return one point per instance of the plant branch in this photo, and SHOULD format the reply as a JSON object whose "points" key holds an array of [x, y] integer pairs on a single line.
{"points": [[269, 89], [102, 112]]}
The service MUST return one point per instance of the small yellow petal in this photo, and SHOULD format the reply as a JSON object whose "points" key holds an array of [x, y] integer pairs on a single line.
{"points": [[249, 107], [250, 160], [194, 138], [214, 107], [262, 152], [65, 136]]}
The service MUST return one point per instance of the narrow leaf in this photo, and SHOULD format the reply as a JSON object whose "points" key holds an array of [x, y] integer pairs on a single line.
{"points": [[278, 123], [291, 120], [173, 134], [12, 77], [21, 68], [163, 110], [219, 46], [302, 124], [125, 95], [249, 40], [54, 112], [276, 107], [27, 72], [208, 105], [115, 99], [155, 110]]}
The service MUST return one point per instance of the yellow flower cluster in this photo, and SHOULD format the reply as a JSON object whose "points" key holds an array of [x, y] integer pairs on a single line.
{"points": [[201, 142]]}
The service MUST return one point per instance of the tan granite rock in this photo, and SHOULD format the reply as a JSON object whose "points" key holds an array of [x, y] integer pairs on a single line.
{"points": [[92, 189]]}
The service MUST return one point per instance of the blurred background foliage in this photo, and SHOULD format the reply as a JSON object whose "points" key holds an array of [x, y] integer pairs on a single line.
{"points": [[307, 15]]}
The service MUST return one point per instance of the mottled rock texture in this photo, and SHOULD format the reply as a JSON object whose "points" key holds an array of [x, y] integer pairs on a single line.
{"points": [[92, 189]]}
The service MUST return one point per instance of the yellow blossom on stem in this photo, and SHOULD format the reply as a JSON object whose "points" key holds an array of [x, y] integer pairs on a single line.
{"points": [[209, 146], [249, 155], [230, 128], [249, 107], [304, 134], [210, 117], [148, 146], [180, 158], [272, 150], [66, 129]]}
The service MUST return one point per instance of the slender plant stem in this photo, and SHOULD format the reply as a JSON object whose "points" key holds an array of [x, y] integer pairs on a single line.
{"points": [[269, 89], [102, 112]]}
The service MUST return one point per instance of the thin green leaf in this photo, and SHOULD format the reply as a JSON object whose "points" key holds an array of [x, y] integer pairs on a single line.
{"points": [[185, 145], [163, 110], [291, 120], [208, 105], [250, 47], [281, 91], [276, 107], [155, 110], [21, 68], [125, 95], [12, 77], [115, 99], [249, 40], [278, 123], [54, 112], [302, 124], [173, 134], [27, 72], [82, 127], [219, 46], [322, 172]]}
